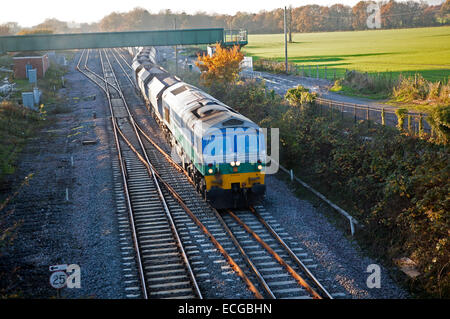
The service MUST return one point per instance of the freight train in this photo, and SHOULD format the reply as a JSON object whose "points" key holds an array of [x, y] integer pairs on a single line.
{"points": [[222, 151]]}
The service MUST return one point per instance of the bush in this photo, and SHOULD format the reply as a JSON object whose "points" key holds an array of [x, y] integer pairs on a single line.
{"points": [[300, 96], [439, 119], [401, 113], [368, 83], [16, 124], [410, 89], [273, 66], [394, 184]]}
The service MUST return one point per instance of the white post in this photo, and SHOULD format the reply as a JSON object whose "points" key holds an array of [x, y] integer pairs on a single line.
{"points": [[285, 43], [292, 175], [352, 227]]}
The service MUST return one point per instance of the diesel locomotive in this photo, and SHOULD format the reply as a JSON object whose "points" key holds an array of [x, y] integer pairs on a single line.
{"points": [[223, 151]]}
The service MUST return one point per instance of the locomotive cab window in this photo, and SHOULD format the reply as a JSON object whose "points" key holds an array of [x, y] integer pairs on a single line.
{"points": [[167, 115]]}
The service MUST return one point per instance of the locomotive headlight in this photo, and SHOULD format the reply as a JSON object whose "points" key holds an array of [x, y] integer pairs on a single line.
{"points": [[260, 167], [238, 163], [232, 163], [210, 171]]}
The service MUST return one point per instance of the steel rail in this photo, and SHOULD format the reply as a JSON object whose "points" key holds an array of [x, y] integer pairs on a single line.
{"points": [[245, 256], [124, 179], [175, 194], [290, 270], [94, 73], [87, 73], [121, 56], [160, 194], [197, 221], [227, 229], [120, 65], [291, 253]]}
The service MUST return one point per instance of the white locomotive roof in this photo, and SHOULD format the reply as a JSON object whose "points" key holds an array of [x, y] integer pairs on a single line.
{"points": [[135, 64], [201, 111], [143, 75]]}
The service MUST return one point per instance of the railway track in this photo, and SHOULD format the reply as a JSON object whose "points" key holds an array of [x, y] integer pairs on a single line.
{"points": [[164, 269], [252, 248], [280, 266]]}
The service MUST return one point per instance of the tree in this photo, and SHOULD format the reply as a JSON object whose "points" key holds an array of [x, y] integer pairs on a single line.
{"points": [[444, 12], [340, 17], [111, 22], [221, 68], [34, 31], [312, 18], [289, 22], [360, 15], [53, 24], [4, 30], [300, 96]]}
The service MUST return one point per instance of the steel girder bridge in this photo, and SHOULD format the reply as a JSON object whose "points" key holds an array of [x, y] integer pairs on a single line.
{"points": [[45, 42]]}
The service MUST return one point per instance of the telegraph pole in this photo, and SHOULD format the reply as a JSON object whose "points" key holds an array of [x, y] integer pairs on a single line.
{"points": [[176, 48], [285, 43]]}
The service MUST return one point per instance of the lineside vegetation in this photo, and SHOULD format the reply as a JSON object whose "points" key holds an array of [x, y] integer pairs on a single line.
{"points": [[395, 184]]}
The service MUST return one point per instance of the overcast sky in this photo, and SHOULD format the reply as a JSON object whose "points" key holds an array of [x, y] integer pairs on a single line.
{"points": [[31, 12]]}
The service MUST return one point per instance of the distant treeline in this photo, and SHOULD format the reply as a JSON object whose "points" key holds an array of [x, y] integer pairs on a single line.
{"points": [[309, 18]]}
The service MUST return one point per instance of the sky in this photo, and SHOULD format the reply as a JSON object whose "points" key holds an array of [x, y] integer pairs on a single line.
{"points": [[32, 12]]}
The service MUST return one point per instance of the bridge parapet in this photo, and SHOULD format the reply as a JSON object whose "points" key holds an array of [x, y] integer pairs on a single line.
{"points": [[45, 42], [235, 37]]}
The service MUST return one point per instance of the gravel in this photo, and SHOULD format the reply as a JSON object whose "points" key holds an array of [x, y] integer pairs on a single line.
{"points": [[82, 230], [344, 261]]}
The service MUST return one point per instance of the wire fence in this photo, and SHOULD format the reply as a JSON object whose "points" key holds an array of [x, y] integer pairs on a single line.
{"points": [[332, 74], [414, 123]]}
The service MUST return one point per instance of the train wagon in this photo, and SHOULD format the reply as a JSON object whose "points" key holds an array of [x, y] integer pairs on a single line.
{"points": [[223, 151]]}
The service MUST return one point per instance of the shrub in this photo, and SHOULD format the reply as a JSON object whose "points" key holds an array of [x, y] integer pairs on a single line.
{"points": [[396, 185], [439, 119], [401, 113], [367, 83], [300, 96], [273, 66], [223, 67], [416, 88]]}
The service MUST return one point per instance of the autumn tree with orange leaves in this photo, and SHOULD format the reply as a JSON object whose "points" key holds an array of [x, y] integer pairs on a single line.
{"points": [[221, 68]]}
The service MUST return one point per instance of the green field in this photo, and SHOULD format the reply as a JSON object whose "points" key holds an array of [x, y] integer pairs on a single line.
{"points": [[407, 51]]}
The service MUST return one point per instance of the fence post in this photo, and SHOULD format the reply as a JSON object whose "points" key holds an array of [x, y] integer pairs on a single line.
{"points": [[342, 111], [326, 73], [310, 71], [354, 113], [383, 117], [303, 70], [420, 124], [367, 116], [331, 110], [334, 74], [317, 71], [409, 124]]}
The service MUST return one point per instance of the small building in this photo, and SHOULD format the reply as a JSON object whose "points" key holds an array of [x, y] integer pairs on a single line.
{"points": [[34, 61]]}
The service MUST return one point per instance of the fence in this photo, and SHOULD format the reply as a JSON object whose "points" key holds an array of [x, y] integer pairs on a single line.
{"points": [[351, 219], [332, 74], [415, 122]]}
